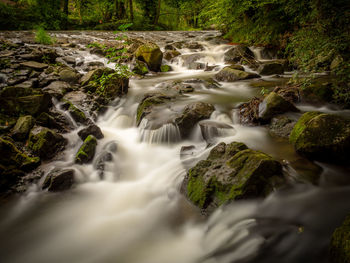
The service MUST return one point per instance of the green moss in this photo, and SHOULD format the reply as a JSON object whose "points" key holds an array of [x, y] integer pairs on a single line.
{"points": [[147, 103], [301, 125], [87, 151], [140, 68], [165, 68], [151, 54], [340, 243]]}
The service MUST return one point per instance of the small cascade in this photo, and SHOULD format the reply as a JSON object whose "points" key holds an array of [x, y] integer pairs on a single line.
{"points": [[168, 133]]}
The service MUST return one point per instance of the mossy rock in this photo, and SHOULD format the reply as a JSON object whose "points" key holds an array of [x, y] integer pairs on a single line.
{"points": [[148, 102], [323, 137], [69, 75], [22, 128], [86, 152], [95, 74], [140, 68], [165, 68], [273, 105], [340, 243], [114, 86], [45, 142], [229, 74], [238, 53], [231, 172], [271, 68], [77, 114], [151, 54], [61, 180]]}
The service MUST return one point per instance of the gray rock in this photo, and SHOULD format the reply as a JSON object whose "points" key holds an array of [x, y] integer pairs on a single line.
{"points": [[91, 130], [22, 128], [57, 181]]}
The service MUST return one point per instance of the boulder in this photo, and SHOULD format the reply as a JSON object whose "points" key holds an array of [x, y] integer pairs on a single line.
{"points": [[91, 130], [237, 53], [59, 180], [77, 114], [86, 152], [34, 65], [170, 54], [339, 251], [191, 59], [322, 137], [229, 74], [140, 68], [69, 75], [57, 89], [45, 142], [212, 129], [271, 68], [22, 128], [149, 102], [151, 54], [54, 120], [281, 126], [95, 74], [273, 105], [165, 68], [192, 114], [231, 172]]}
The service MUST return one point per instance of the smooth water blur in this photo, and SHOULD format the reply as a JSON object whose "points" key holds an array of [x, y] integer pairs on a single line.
{"points": [[135, 214]]}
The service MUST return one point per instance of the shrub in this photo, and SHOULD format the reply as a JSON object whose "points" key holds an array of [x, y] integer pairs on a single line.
{"points": [[42, 37]]}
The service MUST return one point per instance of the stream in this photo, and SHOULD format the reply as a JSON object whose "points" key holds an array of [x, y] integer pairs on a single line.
{"points": [[135, 213]]}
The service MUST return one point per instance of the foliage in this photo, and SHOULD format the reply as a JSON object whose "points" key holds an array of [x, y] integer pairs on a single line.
{"points": [[42, 37]]}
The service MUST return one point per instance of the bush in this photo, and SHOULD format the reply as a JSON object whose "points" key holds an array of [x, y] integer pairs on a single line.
{"points": [[42, 37]]}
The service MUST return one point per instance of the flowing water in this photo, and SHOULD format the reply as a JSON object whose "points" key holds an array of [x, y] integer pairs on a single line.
{"points": [[135, 212]]}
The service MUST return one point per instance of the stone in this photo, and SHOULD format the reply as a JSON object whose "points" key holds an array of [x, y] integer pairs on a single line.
{"points": [[34, 65], [229, 74], [57, 89], [59, 180], [192, 114], [339, 251], [45, 142], [169, 55], [210, 130], [22, 128], [273, 105], [165, 68], [91, 130], [140, 68], [69, 75], [151, 54], [323, 137], [95, 74], [77, 114], [237, 53], [231, 172], [271, 68], [86, 152], [281, 126]]}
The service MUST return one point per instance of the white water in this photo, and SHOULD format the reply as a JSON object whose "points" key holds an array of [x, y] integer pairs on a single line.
{"points": [[136, 213]]}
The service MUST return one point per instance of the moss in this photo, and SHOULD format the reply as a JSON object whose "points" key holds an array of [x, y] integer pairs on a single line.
{"points": [[147, 103], [301, 125], [340, 243], [151, 54], [87, 151], [165, 68], [140, 68], [23, 126]]}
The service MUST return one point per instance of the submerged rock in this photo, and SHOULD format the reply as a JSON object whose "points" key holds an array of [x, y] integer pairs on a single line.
{"points": [[229, 74], [86, 152], [340, 243], [231, 172], [151, 54], [57, 181], [323, 137], [22, 128], [212, 129]]}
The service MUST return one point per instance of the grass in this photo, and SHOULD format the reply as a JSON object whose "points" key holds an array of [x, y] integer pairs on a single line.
{"points": [[42, 37]]}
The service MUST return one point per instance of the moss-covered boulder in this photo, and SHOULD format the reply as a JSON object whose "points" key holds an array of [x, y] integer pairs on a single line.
{"points": [[165, 68], [91, 130], [229, 74], [340, 243], [140, 68], [191, 115], [59, 180], [151, 54], [238, 53], [271, 68], [22, 128], [45, 142], [95, 74], [323, 137], [231, 172], [170, 54], [77, 114], [86, 152], [273, 105], [69, 75]]}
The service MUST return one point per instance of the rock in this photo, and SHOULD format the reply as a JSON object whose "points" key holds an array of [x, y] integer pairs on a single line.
{"points": [[70, 60], [192, 114], [165, 68], [70, 76], [57, 89], [249, 112], [55, 121], [57, 181], [320, 90], [231, 172], [97, 51], [148, 103], [322, 137], [193, 46], [270, 68], [289, 93], [86, 151], [77, 114], [45, 142], [91, 130], [212, 129], [339, 251], [196, 65], [238, 67], [273, 105], [281, 126], [105, 156], [22, 128], [151, 54], [28, 84], [191, 59], [169, 47], [237, 53], [140, 68], [95, 74], [34, 65], [12, 158], [229, 74], [186, 151], [169, 55]]}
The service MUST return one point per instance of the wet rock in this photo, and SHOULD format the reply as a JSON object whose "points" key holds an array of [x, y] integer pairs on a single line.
{"points": [[77, 114], [165, 68], [169, 47], [193, 46], [140, 68], [319, 91], [169, 55], [105, 156], [231, 172], [289, 93], [69, 75], [212, 129], [281, 126], [22, 128], [339, 251], [86, 151], [323, 137], [249, 112], [271, 68], [70, 60], [91, 130], [54, 120], [191, 59], [45, 142], [151, 54], [95, 74], [57, 181], [192, 114], [273, 105], [34, 65], [187, 151], [196, 65], [229, 74], [57, 89], [15, 80], [237, 53], [28, 84], [97, 51]]}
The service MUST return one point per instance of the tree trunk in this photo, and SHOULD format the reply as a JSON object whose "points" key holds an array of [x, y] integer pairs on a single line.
{"points": [[116, 8], [156, 18], [131, 11], [65, 7]]}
